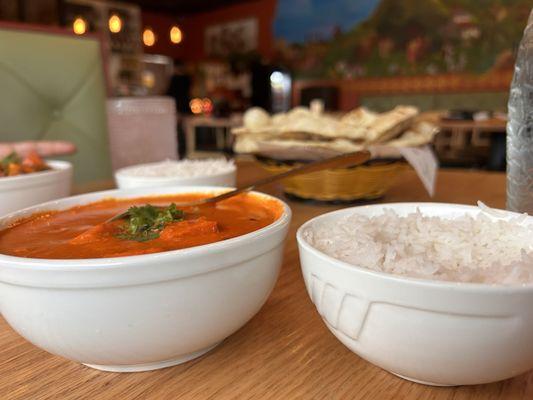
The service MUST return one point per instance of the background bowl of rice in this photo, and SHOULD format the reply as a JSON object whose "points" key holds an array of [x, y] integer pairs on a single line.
{"points": [[201, 172], [434, 332]]}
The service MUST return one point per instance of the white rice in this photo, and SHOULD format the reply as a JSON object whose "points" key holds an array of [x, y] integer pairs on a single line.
{"points": [[463, 249], [182, 169]]}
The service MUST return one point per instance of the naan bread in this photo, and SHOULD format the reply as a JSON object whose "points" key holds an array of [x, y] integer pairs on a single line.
{"points": [[390, 124], [420, 133], [303, 135], [256, 118], [303, 150], [301, 120], [359, 117]]}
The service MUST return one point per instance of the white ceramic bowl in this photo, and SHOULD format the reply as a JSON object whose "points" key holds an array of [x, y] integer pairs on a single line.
{"points": [[142, 312], [21, 191], [126, 181], [431, 332]]}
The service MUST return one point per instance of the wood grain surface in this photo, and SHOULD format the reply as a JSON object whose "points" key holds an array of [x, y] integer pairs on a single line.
{"points": [[284, 352]]}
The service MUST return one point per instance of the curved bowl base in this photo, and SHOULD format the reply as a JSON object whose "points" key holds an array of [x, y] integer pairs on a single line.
{"points": [[152, 366], [421, 382]]}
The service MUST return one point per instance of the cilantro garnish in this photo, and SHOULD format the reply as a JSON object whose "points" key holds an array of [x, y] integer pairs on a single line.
{"points": [[12, 158], [146, 222]]}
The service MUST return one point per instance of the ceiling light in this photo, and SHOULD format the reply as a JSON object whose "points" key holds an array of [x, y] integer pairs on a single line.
{"points": [[148, 37], [176, 36], [79, 26], [115, 23]]}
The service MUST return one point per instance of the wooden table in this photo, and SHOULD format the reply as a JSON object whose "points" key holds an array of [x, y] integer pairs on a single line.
{"points": [[284, 352], [491, 125], [471, 142], [461, 128]]}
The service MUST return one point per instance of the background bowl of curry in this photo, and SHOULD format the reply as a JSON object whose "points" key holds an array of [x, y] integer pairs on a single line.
{"points": [[20, 191], [144, 312]]}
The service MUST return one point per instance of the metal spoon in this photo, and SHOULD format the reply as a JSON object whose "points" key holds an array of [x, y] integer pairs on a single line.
{"points": [[344, 160]]}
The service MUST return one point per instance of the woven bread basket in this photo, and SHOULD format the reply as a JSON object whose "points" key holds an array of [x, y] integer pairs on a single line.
{"points": [[366, 182]]}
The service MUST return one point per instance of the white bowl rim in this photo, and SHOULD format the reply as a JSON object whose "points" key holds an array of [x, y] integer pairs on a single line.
{"points": [[91, 264], [438, 284], [57, 166], [122, 174]]}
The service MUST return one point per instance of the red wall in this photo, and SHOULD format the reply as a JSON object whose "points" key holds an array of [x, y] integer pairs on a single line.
{"points": [[191, 49]]}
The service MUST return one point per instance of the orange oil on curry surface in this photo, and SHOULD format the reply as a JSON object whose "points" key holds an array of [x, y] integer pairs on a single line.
{"points": [[78, 232]]}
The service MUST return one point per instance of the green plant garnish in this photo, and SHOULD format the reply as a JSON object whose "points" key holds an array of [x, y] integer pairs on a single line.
{"points": [[12, 158], [146, 222]]}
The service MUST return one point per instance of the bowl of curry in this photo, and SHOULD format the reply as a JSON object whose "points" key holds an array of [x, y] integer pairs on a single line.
{"points": [[27, 181], [127, 281]]}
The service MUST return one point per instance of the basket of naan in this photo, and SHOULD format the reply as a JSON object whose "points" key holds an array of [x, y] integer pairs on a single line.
{"points": [[283, 141]]}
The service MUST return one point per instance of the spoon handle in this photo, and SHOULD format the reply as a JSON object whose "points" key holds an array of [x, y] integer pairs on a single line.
{"points": [[343, 160]]}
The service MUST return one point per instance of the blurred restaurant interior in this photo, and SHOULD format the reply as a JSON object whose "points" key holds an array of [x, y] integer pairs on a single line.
{"points": [[423, 108], [215, 59]]}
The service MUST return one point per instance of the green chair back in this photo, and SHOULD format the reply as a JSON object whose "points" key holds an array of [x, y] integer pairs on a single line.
{"points": [[52, 87]]}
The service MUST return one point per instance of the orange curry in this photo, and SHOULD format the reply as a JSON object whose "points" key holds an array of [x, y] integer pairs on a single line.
{"points": [[80, 232], [13, 164]]}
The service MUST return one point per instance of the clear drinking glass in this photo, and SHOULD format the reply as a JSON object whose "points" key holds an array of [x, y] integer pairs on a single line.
{"points": [[142, 130], [520, 128]]}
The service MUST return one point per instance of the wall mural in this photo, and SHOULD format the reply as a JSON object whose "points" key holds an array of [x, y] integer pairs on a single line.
{"points": [[232, 37], [361, 38]]}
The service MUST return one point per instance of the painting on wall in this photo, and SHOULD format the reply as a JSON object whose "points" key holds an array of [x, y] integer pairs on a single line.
{"points": [[233, 37], [379, 38]]}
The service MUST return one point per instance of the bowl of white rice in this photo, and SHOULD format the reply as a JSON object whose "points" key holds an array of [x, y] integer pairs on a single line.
{"points": [[439, 294], [197, 172]]}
